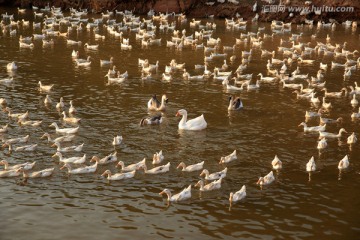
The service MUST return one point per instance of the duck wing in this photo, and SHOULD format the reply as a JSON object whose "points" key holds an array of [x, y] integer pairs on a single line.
{"points": [[196, 123]]}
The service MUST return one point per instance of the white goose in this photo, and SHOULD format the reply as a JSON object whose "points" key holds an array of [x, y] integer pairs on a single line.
{"points": [[311, 166], [181, 196], [158, 157], [344, 163], [130, 167], [118, 176], [64, 130], [276, 163], [269, 178], [198, 123], [75, 160], [237, 196], [191, 168], [216, 184], [228, 158]]}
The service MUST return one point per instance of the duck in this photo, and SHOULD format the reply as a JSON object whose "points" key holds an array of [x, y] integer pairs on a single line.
{"points": [[276, 163], [91, 47], [191, 168], [130, 167], [29, 123], [17, 140], [311, 166], [215, 175], [118, 176], [216, 184], [322, 144], [231, 87], [26, 166], [195, 124], [11, 66], [332, 135], [156, 105], [45, 88], [266, 79], [47, 100], [3, 102], [66, 138], [237, 196], [74, 54], [117, 140], [38, 174], [152, 120], [19, 116], [64, 130], [330, 121], [313, 99], [158, 157], [27, 148], [354, 102], [67, 149], [355, 115], [83, 62], [60, 104], [235, 103], [156, 170], [181, 196], [107, 62], [231, 157], [4, 128], [81, 170], [313, 129], [67, 119], [309, 114], [72, 109], [74, 160], [344, 163], [269, 178], [325, 104], [10, 173], [7, 80], [112, 157], [352, 139]]}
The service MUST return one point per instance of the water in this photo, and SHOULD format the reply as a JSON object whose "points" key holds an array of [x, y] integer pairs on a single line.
{"points": [[83, 206]]}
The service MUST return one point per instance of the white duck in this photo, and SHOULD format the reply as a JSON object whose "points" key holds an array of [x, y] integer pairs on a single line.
{"points": [[60, 104], [269, 178], [48, 100], [276, 163], [66, 138], [181, 196], [155, 104], [81, 170], [231, 157], [158, 157], [112, 157], [130, 167], [311, 166], [198, 123], [152, 120], [322, 144], [27, 148], [67, 119], [64, 130], [344, 163], [312, 129], [215, 175], [68, 149], [118, 176], [72, 109], [235, 103], [43, 173], [10, 173], [45, 88], [156, 170], [26, 166], [354, 102], [117, 140], [352, 139], [216, 184], [266, 79], [191, 168], [11, 66], [75, 160], [332, 135], [237, 196], [4, 128]]}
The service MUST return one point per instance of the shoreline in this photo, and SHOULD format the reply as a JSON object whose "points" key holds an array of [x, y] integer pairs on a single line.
{"points": [[288, 11]]}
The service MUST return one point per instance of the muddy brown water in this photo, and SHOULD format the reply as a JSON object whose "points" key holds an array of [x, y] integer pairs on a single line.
{"points": [[88, 206]]}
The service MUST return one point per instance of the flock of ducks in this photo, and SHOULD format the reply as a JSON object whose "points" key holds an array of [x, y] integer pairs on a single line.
{"points": [[294, 51]]}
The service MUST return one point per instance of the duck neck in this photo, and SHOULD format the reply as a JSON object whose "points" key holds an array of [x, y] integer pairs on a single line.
{"points": [[183, 119]]}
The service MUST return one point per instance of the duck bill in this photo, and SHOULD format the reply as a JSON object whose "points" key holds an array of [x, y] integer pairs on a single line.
{"points": [[177, 114]]}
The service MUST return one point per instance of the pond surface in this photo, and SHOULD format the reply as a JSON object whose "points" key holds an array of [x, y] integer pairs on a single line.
{"points": [[324, 205]]}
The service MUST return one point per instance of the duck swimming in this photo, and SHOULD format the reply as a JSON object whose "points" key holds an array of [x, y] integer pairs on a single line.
{"points": [[344, 163], [235, 103], [269, 178], [228, 158], [216, 184], [276, 163], [153, 120], [158, 157], [118, 176], [156, 170], [311, 166], [237, 196], [181, 196], [191, 168], [155, 104], [195, 124], [130, 167], [215, 175]]}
